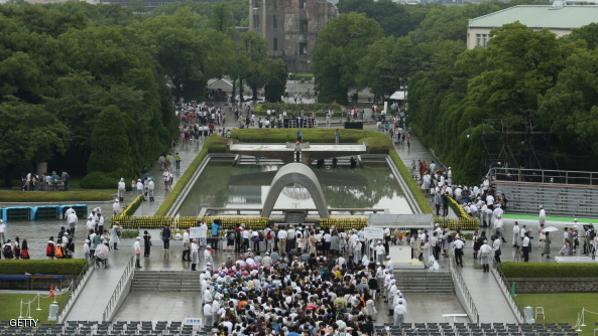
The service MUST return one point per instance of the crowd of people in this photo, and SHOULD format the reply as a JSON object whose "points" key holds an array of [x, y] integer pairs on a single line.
{"points": [[295, 281], [45, 182], [12, 249]]}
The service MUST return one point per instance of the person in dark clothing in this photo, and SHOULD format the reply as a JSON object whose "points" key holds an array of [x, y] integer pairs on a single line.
{"points": [[147, 243], [166, 234], [445, 205]]}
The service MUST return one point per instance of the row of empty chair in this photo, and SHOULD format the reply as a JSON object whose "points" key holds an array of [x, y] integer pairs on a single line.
{"points": [[474, 329], [73, 328]]}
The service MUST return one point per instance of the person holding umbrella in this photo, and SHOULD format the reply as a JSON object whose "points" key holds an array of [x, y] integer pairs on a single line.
{"points": [[546, 248]]}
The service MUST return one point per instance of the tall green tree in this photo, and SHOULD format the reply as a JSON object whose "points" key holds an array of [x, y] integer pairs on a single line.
{"points": [[28, 135], [339, 48], [110, 149]]}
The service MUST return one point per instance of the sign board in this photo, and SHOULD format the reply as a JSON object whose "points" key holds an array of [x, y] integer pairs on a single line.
{"points": [[192, 321], [198, 232], [397, 221], [373, 233]]}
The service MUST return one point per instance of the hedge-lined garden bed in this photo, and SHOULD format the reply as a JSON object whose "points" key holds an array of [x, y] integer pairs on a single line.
{"points": [[549, 270], [55, 196], [213, 144], [43, 266]]}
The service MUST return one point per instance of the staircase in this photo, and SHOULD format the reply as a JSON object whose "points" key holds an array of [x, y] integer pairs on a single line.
{"points": [[165, 281], [424, 282]]}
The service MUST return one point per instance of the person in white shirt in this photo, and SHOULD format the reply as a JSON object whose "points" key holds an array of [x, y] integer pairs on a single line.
{"points": [[516, 232], [399, 313], [137, 251], [542, 216], [151, 186], [282, 241], [490, 201], [525, 247], [121, 189], [458, 246], [291, 238], [139, 187], [115, 207], [496, 248], [484, 255], [380, 253], [208, 314]]}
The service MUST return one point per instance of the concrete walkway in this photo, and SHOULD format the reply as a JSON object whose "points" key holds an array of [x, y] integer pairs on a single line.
{"points": [[487, 296]]}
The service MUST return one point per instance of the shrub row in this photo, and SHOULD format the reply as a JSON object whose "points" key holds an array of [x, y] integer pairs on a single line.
{"points": [[457, 223], [155, 222], [43, 266], [345, 222], [315, 135], [54, 196], [130, 210], [230, 222], [548, 270]]}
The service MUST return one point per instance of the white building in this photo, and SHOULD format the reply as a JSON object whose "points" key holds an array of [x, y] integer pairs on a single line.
{"points": [[560, 18]]}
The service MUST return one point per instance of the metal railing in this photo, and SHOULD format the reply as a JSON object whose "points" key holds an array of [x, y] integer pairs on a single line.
{"points": [[118, 291], [459, 282], [498, 276], [544, 176], [75, 288]]}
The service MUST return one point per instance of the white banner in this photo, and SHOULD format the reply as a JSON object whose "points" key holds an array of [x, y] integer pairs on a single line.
{"points": [[373, 233]]}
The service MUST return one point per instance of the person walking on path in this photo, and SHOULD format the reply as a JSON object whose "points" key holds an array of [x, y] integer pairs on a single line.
{"points": [[526, 247], [121, 189], [546, 247], [458, 245], [137, 251], [485, 252], [542, 216], [2, 231], [147, 244], [194, 254], [166, 235], [72, 220], [399, 313], [177, 160], [496, 248], [151, 186], [115, 236], [186, 246]]}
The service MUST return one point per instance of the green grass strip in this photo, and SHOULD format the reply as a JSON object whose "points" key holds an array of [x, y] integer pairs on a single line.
{"points": [[549, 219], [548, 270], [420, 198], [55, 196]]}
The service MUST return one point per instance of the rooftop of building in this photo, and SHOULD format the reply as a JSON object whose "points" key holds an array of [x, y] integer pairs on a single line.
{"points": [[540, 16]]}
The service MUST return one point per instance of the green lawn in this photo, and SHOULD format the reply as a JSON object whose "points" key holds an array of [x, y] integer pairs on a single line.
{"points": [[55, 196], [11, 302], [563, 307], [550, 218]]}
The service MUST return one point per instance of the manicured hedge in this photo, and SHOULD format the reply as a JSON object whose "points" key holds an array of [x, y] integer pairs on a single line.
{"points": [[548, 270], [457, 223], [213, 144], [344, 222], [420, 198], [43, 266], [54, 196], [99, 180]]}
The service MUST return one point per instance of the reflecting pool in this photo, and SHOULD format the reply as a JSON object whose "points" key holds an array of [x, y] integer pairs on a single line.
{"points": [[225, 186]]}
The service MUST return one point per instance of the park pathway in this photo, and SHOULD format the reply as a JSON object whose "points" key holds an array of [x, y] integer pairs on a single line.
{"points": [[489, 300]]}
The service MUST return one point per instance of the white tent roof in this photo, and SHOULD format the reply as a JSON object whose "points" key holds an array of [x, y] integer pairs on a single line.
{"points": [[220, 83], [398, 95]]}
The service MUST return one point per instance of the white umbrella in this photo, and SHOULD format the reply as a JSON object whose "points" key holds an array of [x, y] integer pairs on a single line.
{"points": [[550, 229]]}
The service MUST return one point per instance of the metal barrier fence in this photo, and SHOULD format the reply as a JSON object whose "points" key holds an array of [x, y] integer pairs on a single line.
{"points": [[544, 176], [470, 307], [118, 291], [75, 287], [498, 276]]}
